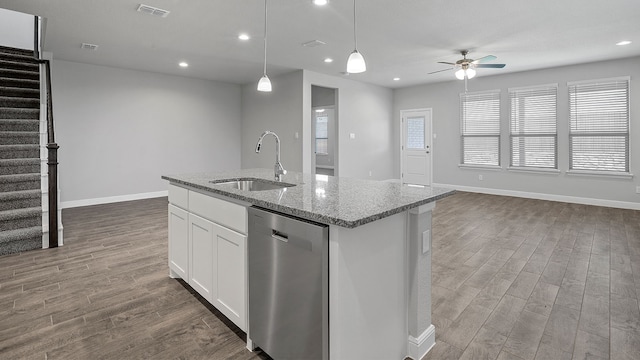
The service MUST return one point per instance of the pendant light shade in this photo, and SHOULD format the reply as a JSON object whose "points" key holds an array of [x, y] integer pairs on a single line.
{"points": [[467, 72], [355, 63], [265, 84], [471, 73]]}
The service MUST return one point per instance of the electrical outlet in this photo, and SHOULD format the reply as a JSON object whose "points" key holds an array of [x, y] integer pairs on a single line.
{"points": [[637, 189], [480, 177], [352, 136], [426, 241], [369, 172]]}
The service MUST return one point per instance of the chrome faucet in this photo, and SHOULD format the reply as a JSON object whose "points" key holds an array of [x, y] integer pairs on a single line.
{"points": [[278, 169]]}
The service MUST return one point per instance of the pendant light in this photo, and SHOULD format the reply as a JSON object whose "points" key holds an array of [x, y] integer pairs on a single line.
{"points": [[265, 84], [355, 63]]}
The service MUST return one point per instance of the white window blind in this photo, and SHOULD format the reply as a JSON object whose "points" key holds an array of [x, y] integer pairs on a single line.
{"points": [[480, 128], [533, 130], [599, 125]]}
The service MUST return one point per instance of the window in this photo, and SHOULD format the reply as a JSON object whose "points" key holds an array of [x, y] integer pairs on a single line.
{"points": [[322, 134], [480, 128], [599, 125], [415, 133], [533, 134]]}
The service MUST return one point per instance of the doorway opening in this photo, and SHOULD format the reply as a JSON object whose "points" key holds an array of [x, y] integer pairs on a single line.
{"points": [[324, 122]]}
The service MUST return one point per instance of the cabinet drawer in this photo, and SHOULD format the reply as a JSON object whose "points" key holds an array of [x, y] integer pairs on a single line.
{"points": [[225, 213], [179, 196]]}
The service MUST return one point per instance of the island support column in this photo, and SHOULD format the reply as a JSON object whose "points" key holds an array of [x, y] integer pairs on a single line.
{"points": [[422, 335]]}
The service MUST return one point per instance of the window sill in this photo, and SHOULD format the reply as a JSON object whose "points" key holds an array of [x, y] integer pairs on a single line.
{"points": [[545, 171], [613, 175], [483, 167]]}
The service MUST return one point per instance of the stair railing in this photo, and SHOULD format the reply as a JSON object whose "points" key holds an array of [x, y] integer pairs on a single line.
{"points": [[52, 147]]}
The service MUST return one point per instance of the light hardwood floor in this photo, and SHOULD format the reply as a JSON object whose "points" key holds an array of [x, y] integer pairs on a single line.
{"points": [[512, 279]]}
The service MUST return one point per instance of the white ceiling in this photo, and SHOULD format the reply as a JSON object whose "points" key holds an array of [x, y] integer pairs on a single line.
{"points": [[399, 38]]}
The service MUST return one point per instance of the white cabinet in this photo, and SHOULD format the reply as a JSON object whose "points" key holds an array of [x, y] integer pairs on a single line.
{"points": [[201, 256], [230, 284], [178, 242], [207, 248]]}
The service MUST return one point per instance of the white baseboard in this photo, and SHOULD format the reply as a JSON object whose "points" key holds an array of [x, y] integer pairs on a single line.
{"points": [[113, 199], [550, 197], [419, 347]]}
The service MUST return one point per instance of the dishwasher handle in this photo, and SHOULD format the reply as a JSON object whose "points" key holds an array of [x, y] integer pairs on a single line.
{"points": [[279, 235]]}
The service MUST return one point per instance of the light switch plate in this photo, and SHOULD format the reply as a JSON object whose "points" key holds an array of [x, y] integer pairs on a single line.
{"points": [[352, 136], [426, 241]]}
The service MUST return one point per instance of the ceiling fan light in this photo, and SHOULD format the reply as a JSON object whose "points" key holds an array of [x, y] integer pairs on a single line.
{"points": [[460, 74], [264, 84], [356, 63], [471, 73]]}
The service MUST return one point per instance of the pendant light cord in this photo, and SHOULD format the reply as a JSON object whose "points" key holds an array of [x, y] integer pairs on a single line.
{"points": [[265, 37], [355, 37]]}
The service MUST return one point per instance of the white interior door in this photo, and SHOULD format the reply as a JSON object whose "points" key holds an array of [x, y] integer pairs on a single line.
{"points": [[416, 162]]}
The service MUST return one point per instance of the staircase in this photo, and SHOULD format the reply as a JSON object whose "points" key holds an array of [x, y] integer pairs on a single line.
{"points": [[21, 212]]}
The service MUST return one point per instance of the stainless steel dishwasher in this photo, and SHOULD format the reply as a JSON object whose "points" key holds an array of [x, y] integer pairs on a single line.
{"points": [[288, 286]]}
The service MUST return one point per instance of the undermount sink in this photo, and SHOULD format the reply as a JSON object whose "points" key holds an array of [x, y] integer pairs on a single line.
{"points": [[252, 184]]}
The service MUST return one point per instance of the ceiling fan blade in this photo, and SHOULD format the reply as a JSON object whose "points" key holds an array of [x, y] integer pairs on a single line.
{"points": [[495, 66], [433, 72], [484, 59], [444, 62]]}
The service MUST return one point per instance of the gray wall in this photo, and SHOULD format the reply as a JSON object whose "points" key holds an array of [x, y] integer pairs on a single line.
{"points": [[364, 110], [279, 111], [16, 29], [444, 99], [120, 130]]}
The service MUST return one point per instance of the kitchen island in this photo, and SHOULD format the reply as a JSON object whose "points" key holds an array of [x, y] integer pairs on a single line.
{"points": [[379, 258]]}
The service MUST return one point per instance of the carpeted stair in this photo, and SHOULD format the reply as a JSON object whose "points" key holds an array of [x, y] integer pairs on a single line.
{"points": [[20, 188]]}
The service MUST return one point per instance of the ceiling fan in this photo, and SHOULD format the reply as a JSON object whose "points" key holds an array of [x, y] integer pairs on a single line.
{"points": [[466, 67]]}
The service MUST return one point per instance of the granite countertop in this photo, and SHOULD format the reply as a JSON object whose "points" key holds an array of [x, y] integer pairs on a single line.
{"points": [[346, 202]]}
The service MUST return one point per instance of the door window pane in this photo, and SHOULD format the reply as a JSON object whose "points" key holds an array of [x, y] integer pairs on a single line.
{"points": [[415, 133]]}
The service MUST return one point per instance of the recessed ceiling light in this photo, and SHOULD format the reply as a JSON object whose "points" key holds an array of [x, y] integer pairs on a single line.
{"points": [[328, 60], [624, 42], [243, 37], [396, 79], [320, 2], [183, 64]]}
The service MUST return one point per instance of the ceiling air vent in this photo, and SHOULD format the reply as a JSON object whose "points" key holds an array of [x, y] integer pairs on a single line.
{"points": [[152, 10], [86, 46], [314, 43]]}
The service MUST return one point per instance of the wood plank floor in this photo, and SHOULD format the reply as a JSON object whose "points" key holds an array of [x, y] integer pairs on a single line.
{"points": [[106, 294], [512, 279], [527, 279]]}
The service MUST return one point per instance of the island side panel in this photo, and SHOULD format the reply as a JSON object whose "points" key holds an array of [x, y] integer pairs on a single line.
{"points": [[368, 290], [421, 331]]}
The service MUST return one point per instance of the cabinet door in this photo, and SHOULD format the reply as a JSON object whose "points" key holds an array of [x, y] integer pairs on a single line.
{"points": [[178, 242], [201, 253], [230, 265]]}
